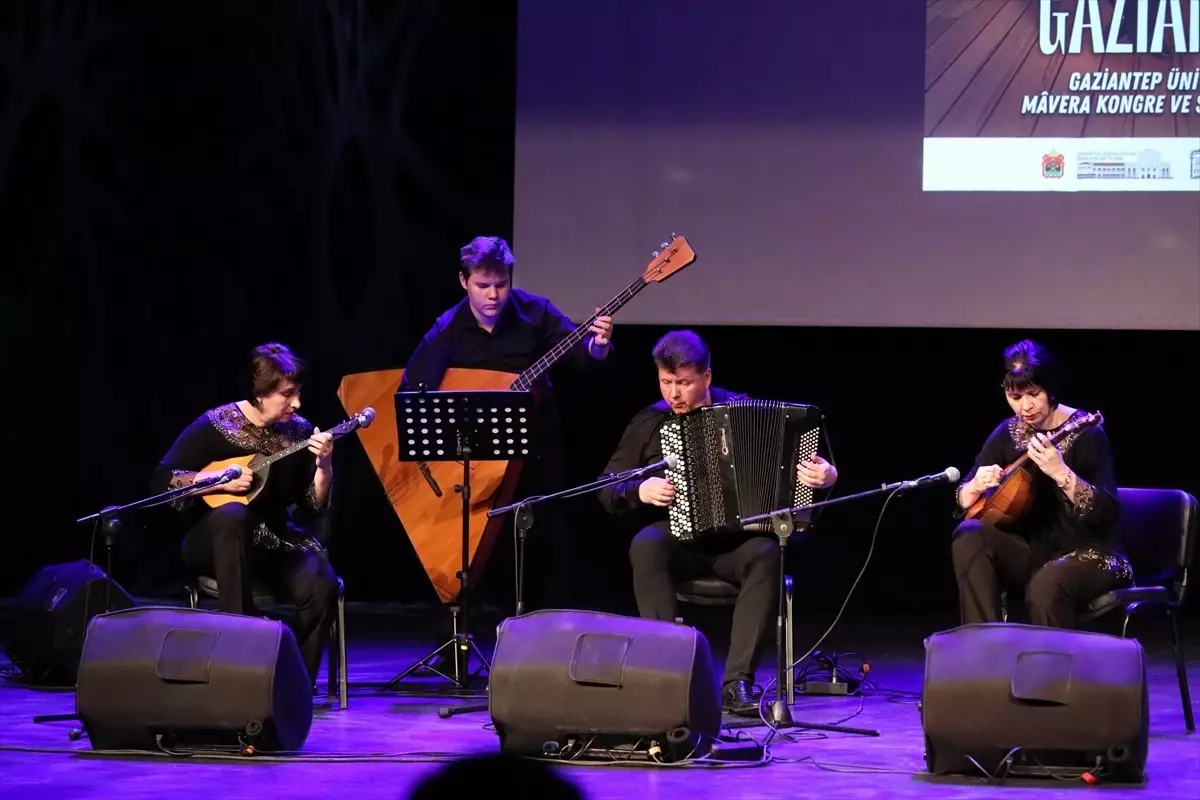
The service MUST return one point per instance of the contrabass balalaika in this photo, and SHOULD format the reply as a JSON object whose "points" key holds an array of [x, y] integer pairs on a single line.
{"points": [[737, 460]]}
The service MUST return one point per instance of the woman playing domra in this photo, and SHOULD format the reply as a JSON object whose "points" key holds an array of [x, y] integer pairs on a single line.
{"points": [[1059, 552]]}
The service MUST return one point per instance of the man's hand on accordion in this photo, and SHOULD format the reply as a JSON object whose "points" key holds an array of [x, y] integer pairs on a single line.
{"points": [[656, 491], [817, 473]]}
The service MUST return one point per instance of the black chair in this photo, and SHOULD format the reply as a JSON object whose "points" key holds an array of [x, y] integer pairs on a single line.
{"points": [[1157, 531], [338, 684], [716, 592]]}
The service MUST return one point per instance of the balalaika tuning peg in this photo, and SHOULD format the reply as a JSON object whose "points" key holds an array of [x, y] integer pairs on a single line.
{"points": [[663, 245], [654, 254]]}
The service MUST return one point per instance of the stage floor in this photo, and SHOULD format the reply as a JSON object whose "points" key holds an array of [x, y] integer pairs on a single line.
{"points": [[389, 741]]}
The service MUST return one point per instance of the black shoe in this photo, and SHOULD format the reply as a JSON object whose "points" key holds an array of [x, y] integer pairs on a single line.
{"points": [[736, 698]]}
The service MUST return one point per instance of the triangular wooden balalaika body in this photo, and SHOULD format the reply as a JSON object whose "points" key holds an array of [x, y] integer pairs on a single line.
{"points": [[433, 523]]}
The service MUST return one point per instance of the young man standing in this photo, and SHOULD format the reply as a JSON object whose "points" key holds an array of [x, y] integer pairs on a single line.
{"points": [[498, 327]]}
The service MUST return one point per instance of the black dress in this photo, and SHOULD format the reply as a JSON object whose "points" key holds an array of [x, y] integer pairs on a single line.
{"points": [[1059, 553], [274, 539]]}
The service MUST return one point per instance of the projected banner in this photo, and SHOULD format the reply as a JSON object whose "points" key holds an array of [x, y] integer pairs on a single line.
{"points": [[1062, 95]]}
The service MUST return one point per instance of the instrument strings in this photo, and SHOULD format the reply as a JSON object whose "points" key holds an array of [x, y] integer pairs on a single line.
{"points": [[526, 379]]}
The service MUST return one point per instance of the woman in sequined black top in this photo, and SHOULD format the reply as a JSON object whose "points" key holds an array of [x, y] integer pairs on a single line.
{"points": [[271, 539], [1059, 552]]}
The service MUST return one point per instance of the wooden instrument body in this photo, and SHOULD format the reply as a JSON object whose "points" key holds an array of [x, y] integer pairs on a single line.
{"points": [[1005, 504], [434, 524], [260, 464], [246, 462]]}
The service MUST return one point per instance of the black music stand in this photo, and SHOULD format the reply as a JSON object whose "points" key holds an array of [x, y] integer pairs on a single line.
{"points": [[466, 426]]}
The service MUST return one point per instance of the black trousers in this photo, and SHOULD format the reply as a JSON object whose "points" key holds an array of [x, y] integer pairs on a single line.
{"points": [[220, 545], [988, 560], [660, 561]]}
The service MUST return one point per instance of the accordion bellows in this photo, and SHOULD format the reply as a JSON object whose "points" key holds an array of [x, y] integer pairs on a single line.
{"points": [[737, 460]]}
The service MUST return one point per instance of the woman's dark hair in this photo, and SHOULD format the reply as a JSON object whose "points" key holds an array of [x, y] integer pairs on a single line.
{"points": [[681, 349], [1028, 364], [270, 365]]}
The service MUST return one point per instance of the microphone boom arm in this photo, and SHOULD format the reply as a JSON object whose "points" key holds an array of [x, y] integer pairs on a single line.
{"points": [[887, 487], [178, 493]]}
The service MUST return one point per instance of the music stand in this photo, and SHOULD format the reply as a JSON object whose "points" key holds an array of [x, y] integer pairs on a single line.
{"points": [[466, 426]]}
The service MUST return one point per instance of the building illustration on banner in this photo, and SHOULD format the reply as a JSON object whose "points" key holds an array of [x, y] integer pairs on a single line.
{"points": [[1123, 165]]}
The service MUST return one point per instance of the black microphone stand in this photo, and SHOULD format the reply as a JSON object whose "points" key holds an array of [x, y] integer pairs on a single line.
{"points": [[525, 517], [783, 524], [109, 521], [524, 521]]}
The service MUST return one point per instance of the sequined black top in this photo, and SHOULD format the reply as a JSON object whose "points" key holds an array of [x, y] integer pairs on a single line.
{"points": [[288, 502], [1054, 525]]}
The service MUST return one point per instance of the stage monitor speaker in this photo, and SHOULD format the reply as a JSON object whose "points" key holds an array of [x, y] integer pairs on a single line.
{"points": [[605, 681], [53, 611], [1026, 701], [167, 678]]}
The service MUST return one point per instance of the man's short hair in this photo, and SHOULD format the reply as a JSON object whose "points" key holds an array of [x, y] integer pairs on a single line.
{"points": [[680, 349], [488, 253]]}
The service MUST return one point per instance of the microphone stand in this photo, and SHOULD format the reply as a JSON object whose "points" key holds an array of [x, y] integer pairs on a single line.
{"points": [[783, 524], [524, 521], [109, 521], [525, 517]]}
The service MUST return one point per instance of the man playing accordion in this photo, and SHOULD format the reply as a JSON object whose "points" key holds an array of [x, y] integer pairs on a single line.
{"points": [[659, 558]]}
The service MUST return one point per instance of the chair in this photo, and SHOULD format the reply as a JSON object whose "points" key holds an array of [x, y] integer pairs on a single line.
{"points": [[1157, 531], [264, 597], [716, 592]]}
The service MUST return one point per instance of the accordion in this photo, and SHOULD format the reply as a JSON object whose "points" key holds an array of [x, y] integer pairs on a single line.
{"points": [[738, 460]]}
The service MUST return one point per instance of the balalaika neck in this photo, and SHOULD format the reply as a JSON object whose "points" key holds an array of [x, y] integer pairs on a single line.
{"points": [[269, 460], [526, 379], [338, 432]]}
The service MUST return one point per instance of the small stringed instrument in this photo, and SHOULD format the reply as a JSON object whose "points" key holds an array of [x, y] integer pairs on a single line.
{"points": [[260, 464], [433, 521], [1012, 499]]}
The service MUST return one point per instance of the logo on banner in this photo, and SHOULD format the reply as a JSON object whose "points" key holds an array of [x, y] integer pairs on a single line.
{"points": [[1054, 164], [1125, 165], [1195, 164]]}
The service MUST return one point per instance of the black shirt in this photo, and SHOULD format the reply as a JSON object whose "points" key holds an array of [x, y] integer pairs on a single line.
{"points": [[528, 328], [641, 445], [1055, 525]]}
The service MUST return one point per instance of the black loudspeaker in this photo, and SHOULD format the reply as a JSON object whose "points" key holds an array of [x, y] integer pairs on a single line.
{"points": [[1035, 702], [52, 615], [172, 678], [604, 680]]}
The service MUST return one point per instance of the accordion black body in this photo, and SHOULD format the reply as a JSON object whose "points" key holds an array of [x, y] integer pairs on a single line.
{"points": [[738, 460]]}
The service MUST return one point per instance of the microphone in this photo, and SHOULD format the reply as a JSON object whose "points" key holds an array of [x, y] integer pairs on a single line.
{"points": [[669, 462], [948, 475], [231, 474], [366, 417]]}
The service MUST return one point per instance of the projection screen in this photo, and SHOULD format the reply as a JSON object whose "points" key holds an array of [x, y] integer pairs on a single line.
{"points": [[791, 144]]}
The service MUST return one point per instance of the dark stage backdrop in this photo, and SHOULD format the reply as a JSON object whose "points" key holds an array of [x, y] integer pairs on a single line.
{"points": [[178, 184]]}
